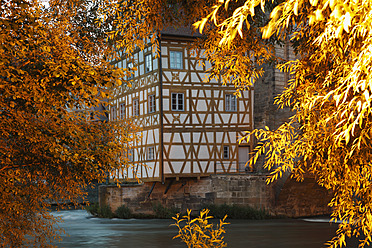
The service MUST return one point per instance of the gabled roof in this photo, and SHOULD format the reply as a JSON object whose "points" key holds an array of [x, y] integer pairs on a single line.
{"points": [[186, 32]]}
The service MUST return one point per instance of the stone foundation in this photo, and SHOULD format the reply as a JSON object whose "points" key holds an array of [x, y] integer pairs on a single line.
{"points": [[245, 190], [190, 193]]}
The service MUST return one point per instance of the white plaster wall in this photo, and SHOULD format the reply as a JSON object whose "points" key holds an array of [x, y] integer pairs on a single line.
{"points": [[150, 134], [177, 166], [219, 136], [136, 72], [199, 66], [176, 138], [164, 49], [225, 118], [220, 104], [187, 168], [185, 136], [203, 152], [183, 116], [196, 137], [149, 169], [164, 62], [210, 168], [201, 105], [194, 77], [244, 118], [196, 168], [156, 171], [233, 137], [208, 94], [182, 76], [167, 169], [208, 64], [154, 62], [168, 116], [233, 118], [130, 173], [166, 93]]}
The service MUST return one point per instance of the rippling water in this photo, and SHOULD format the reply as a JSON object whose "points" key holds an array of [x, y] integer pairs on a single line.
{"points": [[84, 231]]}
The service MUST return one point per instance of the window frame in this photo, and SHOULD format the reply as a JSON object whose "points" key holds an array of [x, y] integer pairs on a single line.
{"points": [[177, 94], [148, 63], [173, 62], [136, 108], [113, 113], [151, 153], [131, 155], [151, 103], [229, 99], [130, 66], [226, 152], [122, 111]]}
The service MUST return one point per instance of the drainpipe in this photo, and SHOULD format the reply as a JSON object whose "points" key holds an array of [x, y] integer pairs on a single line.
{"points": [[161, 110]]}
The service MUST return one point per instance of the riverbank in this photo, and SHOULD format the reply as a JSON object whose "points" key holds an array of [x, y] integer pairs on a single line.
{"points": [[162, 212]]}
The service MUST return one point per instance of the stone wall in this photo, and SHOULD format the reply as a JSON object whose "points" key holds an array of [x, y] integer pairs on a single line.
{"points": [[266, 89], [190, 193], [292, 199], [300, 199]]}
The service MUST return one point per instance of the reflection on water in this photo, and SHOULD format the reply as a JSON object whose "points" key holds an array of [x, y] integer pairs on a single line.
{"points": [[84, 231]]}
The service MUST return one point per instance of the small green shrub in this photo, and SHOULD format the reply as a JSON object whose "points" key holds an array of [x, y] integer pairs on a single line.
{"points": [[105, 212], [123, 212], [101, 212], [93, 209], [162, 212]]}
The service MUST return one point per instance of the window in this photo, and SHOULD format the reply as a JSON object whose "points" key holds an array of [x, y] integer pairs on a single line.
{"points": [[135, 107], [130, 66], [131, 155], [152, 103], [119, 64], [226, 152], [177, 101], [148, 63], [230, 102], [122, 111], [113, 113], [150, 153], [175, 60]]}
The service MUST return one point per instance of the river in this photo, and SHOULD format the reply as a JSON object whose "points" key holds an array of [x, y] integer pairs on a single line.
{"points": [[84, 231]]}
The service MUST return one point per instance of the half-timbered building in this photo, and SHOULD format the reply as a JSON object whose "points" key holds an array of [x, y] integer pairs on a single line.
{"points": [[190, 127]]}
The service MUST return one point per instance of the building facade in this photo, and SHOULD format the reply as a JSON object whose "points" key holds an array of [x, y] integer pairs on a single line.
{"points": [[190, 127], [189, 155]]}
